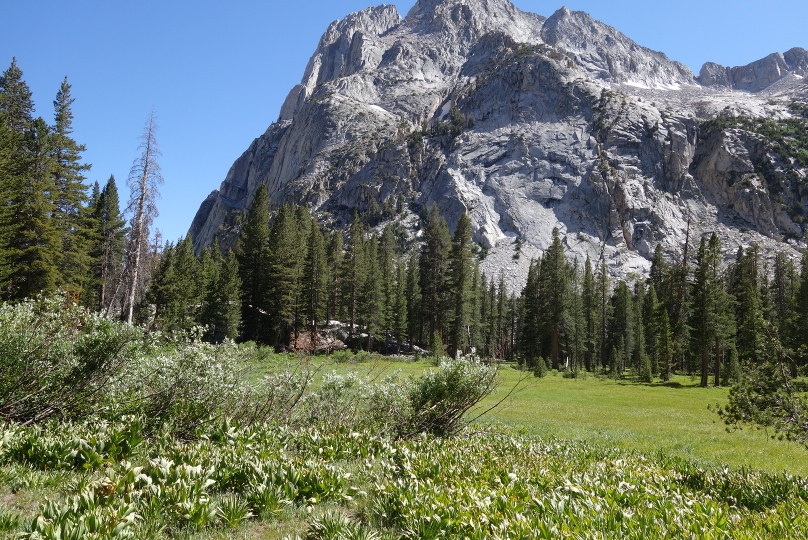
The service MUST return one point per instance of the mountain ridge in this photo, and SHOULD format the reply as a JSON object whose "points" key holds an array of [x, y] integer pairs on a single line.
{"points": [[566, 123]]}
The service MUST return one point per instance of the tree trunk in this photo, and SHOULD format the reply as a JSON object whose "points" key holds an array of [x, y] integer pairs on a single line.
{"points": [[705, 366]]}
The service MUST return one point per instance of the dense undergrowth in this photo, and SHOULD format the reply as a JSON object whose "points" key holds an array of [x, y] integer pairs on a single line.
{"points": [[338, 483], [107, 432]]}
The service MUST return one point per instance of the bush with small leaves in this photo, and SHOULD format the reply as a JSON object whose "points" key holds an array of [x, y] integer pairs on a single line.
{"points": [[57, 359], [441, 397]]}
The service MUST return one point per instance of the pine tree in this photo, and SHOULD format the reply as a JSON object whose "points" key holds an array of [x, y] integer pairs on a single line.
{"points": [[590, 313], [252, 253], [210, 264], [651, 320], [386, 263], [371, 306], [107, 248], [7, 173], [461, 268], [621, 334], [70, 196], [304, 221], [710, 318], [660, 273], [603, 296], [501, 319], [144, 179], [474, 308], [575, 335], [161, 290], [33, 240], [554, 295], [434, 267], [16, 102], [745, 287], [665, 344], [413, 293], [531, 338], [492, 330], [353, 273], [176, 288], [16, 110], [399, 315], [315, 279], [801, 312], [228, 300], [284, 272], [783, 292], [485, 317], [677, 298], [334, 254]]}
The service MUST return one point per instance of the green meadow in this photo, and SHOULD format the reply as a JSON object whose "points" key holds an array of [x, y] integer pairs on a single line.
{"points": [[550, 457], [671, 418]]}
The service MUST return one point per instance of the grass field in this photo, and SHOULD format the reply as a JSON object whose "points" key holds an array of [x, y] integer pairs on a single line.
{"points": [[672, 418], [554, 458]]}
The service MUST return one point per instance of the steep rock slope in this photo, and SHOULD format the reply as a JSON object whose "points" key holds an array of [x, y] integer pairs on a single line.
{"points": [[527, 124]]}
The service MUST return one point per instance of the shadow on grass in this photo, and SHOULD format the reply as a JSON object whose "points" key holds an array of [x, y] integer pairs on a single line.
{"points": [[659, 384]]}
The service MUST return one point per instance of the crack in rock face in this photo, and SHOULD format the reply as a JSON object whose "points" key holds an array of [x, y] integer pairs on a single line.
{"points": [[527, 124]]}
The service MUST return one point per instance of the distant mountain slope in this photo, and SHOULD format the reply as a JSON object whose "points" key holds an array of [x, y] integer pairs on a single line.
{"points": [[528, 124]]}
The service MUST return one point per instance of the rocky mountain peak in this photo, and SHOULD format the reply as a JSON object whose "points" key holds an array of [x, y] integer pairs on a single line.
{"points": [[608, 54], [474, 18], [526, 124], [427, 10], [334, 52], [758, 75]]}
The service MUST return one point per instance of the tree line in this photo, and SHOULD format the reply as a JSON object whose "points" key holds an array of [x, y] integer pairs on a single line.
{"points": [[55, 231], [288, 276]]}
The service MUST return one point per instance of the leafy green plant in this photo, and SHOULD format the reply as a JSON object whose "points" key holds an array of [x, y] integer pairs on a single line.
{"points": [[8, 521], [233, 509], [440, 398], [57, 359]]}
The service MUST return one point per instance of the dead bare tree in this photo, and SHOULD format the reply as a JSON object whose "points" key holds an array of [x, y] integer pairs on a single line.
{"points": [[144, 178]]}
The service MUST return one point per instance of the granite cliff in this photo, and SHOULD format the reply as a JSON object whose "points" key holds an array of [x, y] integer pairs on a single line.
{"points": [[528, 124]]}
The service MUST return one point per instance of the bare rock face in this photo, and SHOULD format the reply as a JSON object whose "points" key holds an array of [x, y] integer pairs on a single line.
{"points": [[758, 75], [607, 54], [527, 124]]}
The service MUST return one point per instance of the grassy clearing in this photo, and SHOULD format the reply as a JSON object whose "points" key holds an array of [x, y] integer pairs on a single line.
{"points": [[671, 418], [576, 458]]}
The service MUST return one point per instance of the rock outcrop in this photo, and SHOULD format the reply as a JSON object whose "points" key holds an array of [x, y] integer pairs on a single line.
{"points": [[758, 75], [527, 124]]}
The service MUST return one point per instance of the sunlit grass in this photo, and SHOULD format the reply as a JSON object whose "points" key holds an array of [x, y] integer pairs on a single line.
{"points": [[672, 417]]}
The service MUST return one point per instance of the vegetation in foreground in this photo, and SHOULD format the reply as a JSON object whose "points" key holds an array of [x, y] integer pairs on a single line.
{"points": [[168, 437], [109, 481]]}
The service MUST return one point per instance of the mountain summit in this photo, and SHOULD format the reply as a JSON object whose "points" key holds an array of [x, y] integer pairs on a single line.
{"points": [[529, 124]]}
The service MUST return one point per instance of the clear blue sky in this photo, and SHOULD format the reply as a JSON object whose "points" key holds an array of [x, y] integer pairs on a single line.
{"points": [[217, 72]]}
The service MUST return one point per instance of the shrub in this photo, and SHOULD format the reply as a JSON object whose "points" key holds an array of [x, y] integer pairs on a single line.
{"points": [[57, 358], [441, 397], [540, 369]]}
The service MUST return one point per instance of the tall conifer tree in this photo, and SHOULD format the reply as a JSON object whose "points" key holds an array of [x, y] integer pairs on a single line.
{"points": [[107, 248], [34, 241], [434, 267], [461, 268], [353, 272], [590, 313], [554, 296], [284, 273], [315, 279], [70, 196], [252, 253], [334, 254]]}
